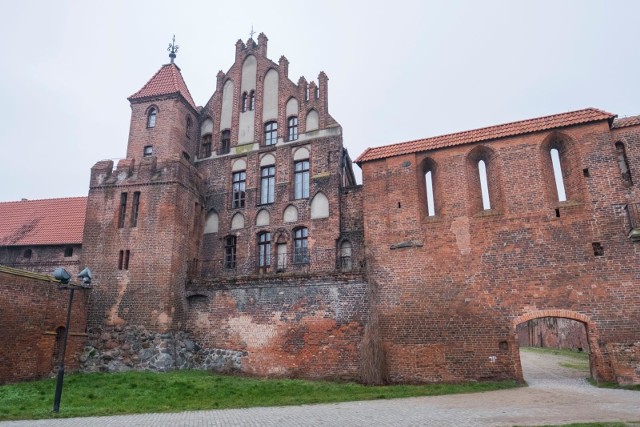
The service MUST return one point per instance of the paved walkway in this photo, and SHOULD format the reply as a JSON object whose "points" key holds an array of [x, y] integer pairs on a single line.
{"points": [[555, 395]]}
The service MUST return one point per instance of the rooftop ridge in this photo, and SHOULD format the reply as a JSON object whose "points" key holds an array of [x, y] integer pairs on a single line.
{"points": [[485, 133], [166, 81]]}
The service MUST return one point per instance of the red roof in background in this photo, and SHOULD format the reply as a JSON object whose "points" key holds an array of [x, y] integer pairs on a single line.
{"points": [[42, 222], [626, 121], [167, 81], [483, 134]]}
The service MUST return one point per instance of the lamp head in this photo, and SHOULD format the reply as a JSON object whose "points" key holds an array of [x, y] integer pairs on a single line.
{"points": [[86, 276], [62, 275]]}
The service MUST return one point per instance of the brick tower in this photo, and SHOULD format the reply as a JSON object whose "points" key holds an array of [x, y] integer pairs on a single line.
{"points": [[142, 216]]}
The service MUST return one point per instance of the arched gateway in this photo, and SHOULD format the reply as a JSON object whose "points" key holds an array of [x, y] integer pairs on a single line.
{"points": [[596, 360]]}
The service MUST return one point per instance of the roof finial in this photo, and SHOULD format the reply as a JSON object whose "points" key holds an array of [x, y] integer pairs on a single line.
{"points": [[172, 49], [251, 33]]}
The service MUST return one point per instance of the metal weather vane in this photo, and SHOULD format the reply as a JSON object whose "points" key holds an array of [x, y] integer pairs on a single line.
{"points": [[173, 48], [251, 33]]}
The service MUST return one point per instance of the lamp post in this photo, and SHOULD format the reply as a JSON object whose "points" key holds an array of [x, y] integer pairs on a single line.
{"points": [[63, 276]]}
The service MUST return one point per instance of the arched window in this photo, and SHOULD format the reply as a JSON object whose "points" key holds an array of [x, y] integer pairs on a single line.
{"points": [[225, 141], [151, 117], [428, 182], [346, 261], [484, 185], [300, 246], [264, 249], [623, 163], [244, 102], [205, 151], [292, 128], [557, 174], [230, 252], [252, 100], [270, 133]]}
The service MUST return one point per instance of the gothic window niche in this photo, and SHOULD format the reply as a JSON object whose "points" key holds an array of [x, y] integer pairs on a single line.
{"points": [[483, 181], [561, 170], [623, 164], [428, 190], [152, 115], [225, 141]]}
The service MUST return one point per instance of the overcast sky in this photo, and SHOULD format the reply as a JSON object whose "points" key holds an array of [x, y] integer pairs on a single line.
{"points": [[398, 70]]}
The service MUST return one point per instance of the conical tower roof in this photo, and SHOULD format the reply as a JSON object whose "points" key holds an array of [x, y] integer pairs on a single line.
{"points": [[167, 81]]}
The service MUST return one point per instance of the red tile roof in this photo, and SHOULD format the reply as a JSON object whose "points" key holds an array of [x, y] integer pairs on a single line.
{"points": [[42, 222], [167, 81], [484, 134], [626, 121]]}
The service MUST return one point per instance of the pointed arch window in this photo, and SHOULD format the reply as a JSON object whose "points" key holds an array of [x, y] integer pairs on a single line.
{"points": [[428, 182], [151, 117], [623, 163], [557, 174], [484, 185]]}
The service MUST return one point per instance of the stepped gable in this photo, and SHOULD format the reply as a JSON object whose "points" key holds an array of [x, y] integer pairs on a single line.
{"points": [[484, 134], [167, 81], [43, 222]]}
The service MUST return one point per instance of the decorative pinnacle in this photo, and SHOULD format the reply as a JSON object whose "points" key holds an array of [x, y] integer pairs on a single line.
{"points": [[172, 49], [251, 33]]}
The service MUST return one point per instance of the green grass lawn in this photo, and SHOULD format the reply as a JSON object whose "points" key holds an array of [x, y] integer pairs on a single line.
{"points": [[138, 392]]}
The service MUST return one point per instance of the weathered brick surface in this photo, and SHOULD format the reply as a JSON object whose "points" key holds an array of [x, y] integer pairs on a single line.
{"points": [[452, 285], [32, 309]]}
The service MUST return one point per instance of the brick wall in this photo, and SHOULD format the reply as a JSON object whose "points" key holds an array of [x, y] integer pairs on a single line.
{"points": [[43, 259], [451, 285], [32, 309]]}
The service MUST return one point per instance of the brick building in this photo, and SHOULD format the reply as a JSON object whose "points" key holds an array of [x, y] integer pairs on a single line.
{"points": [[233, 237]]}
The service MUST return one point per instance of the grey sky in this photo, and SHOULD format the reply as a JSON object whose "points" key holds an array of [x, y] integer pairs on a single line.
{"points": [[397, 70]]}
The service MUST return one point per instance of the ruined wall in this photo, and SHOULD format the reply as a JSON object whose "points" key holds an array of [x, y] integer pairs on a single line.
{"points": [[294, 327], [452, 284], [32, 309]]}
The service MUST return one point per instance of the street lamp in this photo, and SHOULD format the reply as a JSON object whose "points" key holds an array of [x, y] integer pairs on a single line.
{"points": [[63, 277]]}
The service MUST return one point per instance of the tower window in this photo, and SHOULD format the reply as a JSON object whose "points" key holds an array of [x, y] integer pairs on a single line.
{"points": [[123, 209], [301, 179], [252, 100], [557, 174], [188, 128], [484, 185], [151, 118], [135, 208], [68, 252], [230, 252], [239, 185], [292, 128], [270, 133], [147, 151], [225, 141], [623, 163], [267, 184], [244, 102], [27, 253], [428, 180]]}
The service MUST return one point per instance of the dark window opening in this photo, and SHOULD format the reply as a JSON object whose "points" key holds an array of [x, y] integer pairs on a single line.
{"points": [[270, 133], [557, 213], [206, 146], [123, 209], [230, 252], [68, 252], [301, 179], [135, 208], [300, 246], [267, 184], [585, 172], [120, 259], [126, 259], [244, 102], [239, 187], [292, 128], [27, 253], [186, 156], [147, 151], [225, 141], [598, 250], [252, 100], [188, 129]]}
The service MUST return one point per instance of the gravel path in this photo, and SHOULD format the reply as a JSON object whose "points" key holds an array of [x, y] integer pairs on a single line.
{"points": [[555, 395]]}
